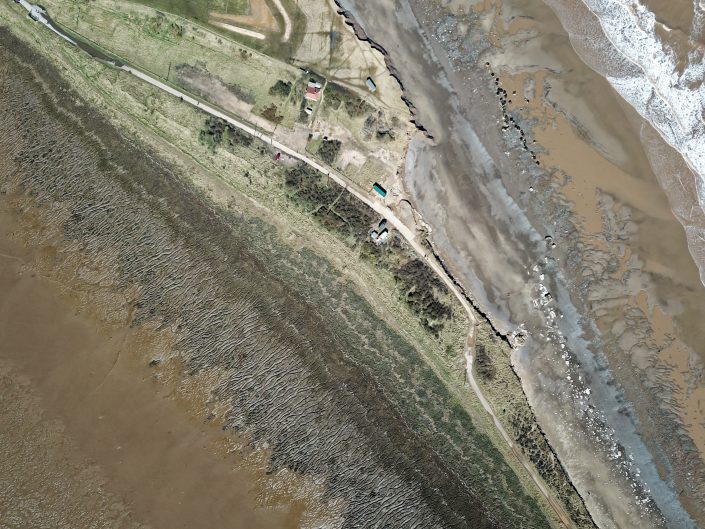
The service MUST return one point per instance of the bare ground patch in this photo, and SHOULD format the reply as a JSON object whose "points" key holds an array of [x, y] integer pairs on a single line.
{"points": [[260, 17]]}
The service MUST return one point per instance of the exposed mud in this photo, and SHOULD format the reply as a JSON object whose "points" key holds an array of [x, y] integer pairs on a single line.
{"points": [[94, 425]]}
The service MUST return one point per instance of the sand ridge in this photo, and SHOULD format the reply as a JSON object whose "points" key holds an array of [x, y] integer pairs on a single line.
{"points": [[260, 17]]}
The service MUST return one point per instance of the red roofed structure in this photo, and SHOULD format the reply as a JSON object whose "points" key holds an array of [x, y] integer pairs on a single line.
{"points": [[312, 93]]}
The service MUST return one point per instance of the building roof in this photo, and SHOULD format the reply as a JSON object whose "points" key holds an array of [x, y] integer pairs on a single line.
{"points": [[380, 190], [314, 94]]}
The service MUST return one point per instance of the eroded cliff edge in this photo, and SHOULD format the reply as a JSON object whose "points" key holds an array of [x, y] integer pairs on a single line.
{"points": [[547, 246]]}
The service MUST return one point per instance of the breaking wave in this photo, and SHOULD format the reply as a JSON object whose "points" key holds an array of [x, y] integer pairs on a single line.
{"points": [[660, 71]]}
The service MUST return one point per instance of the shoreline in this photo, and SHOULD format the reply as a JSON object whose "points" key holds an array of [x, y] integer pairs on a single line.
{"points": [[531, 266], [691, 222]]}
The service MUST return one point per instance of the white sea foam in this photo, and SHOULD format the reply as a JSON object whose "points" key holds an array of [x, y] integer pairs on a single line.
{"points": [[666, 88]]}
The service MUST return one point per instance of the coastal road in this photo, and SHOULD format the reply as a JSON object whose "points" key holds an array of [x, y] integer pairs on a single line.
{"points": [[341, 180], [516, 450], [379, 207], [410, 237]]}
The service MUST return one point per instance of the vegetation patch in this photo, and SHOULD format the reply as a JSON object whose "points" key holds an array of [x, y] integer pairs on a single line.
{"points": [[336, 209], [242, 95], [483, 364], [280, 88], [303, 115], [272, 114], [376, 126], [328, 151], [420, 286], [352, 220], [160, 26], [338, 96], [218, 133], [503, 389]]}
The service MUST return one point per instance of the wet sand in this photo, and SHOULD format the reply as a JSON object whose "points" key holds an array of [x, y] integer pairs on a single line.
{"points": [[612, 365], [110, 430]]}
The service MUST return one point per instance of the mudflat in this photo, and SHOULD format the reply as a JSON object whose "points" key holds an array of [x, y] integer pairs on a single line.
{"points": [[92, 424]]}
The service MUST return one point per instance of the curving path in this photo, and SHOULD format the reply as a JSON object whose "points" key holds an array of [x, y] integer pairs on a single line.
{"points": [[287, 21], [242, 31]]}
